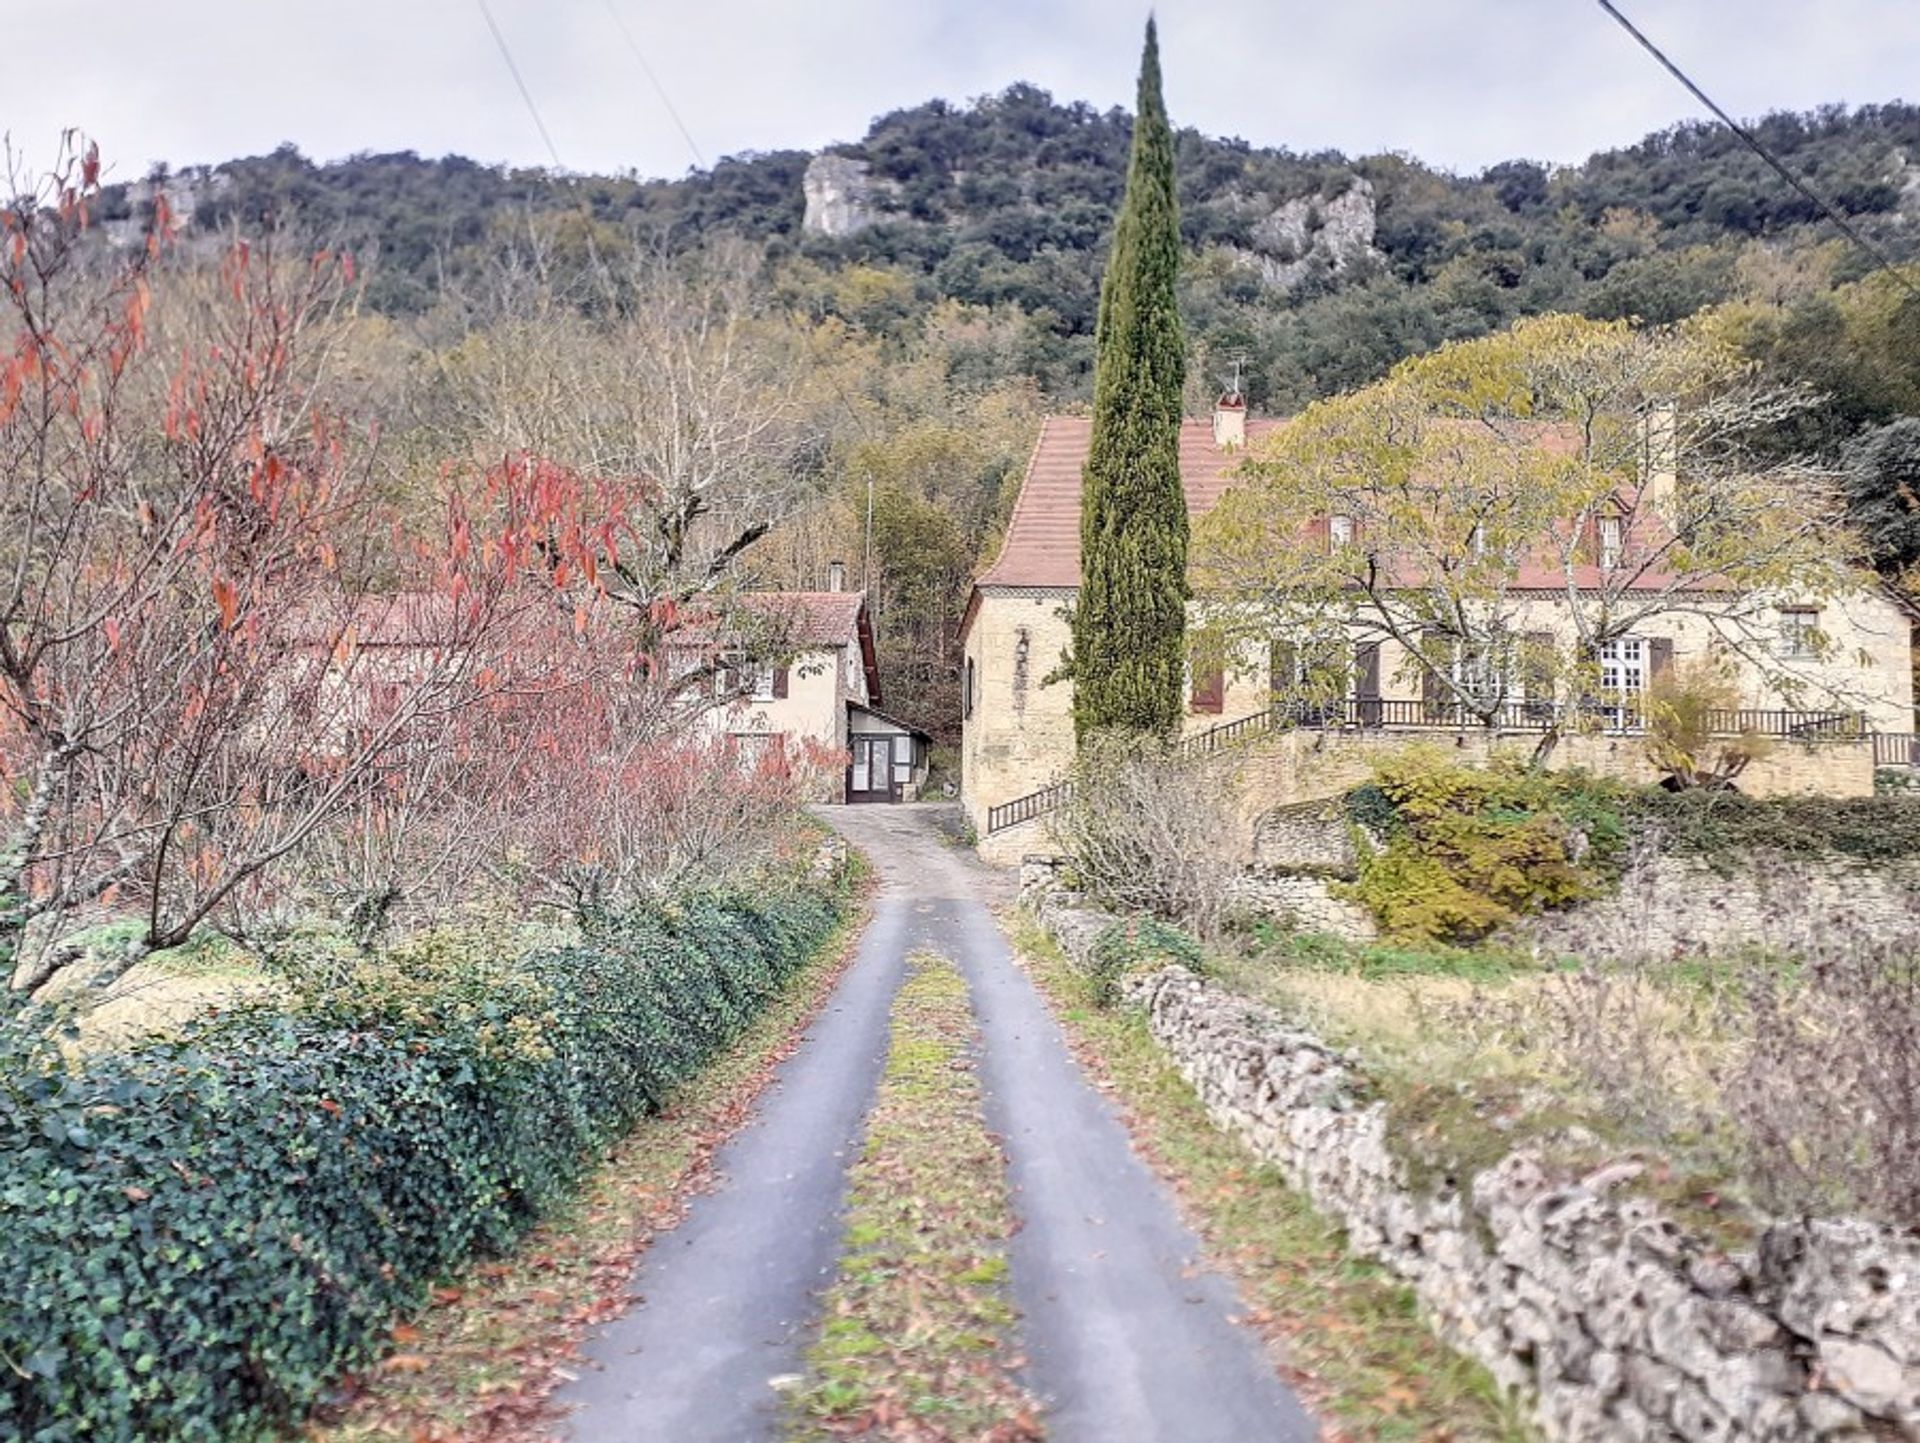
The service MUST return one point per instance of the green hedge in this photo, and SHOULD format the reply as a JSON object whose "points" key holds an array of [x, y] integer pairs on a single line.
{"points": [[1728, 824], [198, 1234]]}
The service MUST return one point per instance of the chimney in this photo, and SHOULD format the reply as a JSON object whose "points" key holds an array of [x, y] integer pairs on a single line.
{"points": [[1660, 450], [1230, 421], [836, 576]]}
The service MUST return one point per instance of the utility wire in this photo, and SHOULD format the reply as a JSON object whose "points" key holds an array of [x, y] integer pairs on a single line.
{"points": [[654, 80], [525, 94], [1753, 143]]}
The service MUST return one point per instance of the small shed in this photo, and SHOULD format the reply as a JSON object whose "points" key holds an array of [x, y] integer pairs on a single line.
{"points": [[889, 758]]}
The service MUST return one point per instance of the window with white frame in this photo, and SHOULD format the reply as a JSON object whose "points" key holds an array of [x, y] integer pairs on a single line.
{"points": [[1612, 531], [1800, 631], [1339, 531], [1623, 676]]}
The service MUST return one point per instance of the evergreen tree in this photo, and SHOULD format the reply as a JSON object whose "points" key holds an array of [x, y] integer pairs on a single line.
{"points": [[1130, 619]]}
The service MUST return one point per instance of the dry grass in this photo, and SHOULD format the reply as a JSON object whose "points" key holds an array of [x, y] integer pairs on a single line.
{"points": [[1353, 1341]]}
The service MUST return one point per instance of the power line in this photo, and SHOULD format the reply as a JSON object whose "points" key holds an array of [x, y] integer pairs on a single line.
{"points": [[525, 94], [658, 89], [1753, 143]]}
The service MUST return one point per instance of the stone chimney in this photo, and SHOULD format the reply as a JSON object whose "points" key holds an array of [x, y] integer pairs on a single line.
{"points": [[836, 576], [1660, 457], [1230, 421]]}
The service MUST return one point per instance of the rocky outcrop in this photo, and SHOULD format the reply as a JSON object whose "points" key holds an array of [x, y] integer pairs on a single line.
{"points": [[842, 197], [1315, 234], [1578, 1293]]}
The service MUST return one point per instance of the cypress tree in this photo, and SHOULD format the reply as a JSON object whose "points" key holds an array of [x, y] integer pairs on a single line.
{"points": [[1130, 619]]}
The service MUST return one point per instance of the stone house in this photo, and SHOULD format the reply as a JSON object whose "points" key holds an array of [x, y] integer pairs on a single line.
{"points": [[823, 693], [1017, 730]]}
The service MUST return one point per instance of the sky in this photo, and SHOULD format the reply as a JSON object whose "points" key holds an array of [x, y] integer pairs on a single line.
{"points": [[1457, 83]]}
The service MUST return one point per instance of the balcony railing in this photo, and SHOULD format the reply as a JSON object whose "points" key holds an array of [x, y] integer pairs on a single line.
{"points": [[1623, 715], [1896, 749]]}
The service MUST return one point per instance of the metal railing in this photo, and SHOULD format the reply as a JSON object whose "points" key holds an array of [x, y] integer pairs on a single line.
{"points": [[1896, 749], [1625, 714], [1050, 798]]}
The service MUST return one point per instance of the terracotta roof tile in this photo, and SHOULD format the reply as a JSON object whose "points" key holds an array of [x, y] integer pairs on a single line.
{"points": [[822, 618], [1042, 546]]}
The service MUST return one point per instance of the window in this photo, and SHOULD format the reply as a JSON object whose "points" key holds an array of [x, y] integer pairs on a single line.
{"points": [[1610, 542], [966, 693], [1339, 531], [1800, 631], [1623, 677], [737, 676]]}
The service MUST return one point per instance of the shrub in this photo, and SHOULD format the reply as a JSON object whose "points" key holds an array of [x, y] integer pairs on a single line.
{"points": [[1465, 849], [1133, 945], [1683, 739], [1147, 831], [196, 1235], [1728, 824], [1827, 1093]]}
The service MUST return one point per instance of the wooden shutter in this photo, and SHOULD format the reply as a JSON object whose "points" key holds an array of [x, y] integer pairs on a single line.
{"points": [[1366, 671], [1588, 553], [1209, 684], [1206, 660], [1433, 691], [1366, 684], [1659, 657], [780, 682], [1283, 671]]}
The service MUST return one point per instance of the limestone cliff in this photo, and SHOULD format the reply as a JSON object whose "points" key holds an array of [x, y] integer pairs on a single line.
{"points": [[842, 197]]}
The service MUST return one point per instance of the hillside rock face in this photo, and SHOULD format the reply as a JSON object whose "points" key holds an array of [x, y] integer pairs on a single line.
{"points": [[842, 198], [1315, 233]]}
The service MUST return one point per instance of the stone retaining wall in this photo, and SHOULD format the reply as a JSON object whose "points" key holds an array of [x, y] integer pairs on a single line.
{"points": [[1672, 906], [1575, 1292]]}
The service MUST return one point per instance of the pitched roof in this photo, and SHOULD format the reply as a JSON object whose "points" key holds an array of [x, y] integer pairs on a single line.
{"points": [[1042, 545], [812, 618]]}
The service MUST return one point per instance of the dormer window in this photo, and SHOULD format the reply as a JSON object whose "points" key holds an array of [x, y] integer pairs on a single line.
{"points": [[1612, 534]]}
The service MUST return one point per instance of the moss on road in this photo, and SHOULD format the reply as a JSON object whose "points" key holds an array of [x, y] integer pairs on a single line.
{"points": [[917, 1337]]}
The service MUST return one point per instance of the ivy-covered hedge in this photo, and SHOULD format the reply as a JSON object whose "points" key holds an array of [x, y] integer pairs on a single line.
{"points": [[198, 1234], [1729, 824]]}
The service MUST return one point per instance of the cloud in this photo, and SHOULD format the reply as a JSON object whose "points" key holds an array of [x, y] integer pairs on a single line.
{"points": [[1461, 83]]}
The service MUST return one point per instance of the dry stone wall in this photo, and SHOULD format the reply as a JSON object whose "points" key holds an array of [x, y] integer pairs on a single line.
{"points": [[1577, 1293]]}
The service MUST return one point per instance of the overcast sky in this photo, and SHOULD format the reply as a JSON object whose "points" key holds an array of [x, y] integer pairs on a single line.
{"points": [[1460, 83]]}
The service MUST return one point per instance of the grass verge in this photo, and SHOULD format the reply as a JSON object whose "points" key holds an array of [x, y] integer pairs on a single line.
{"points": [[480, 1365], [1354, 1343], [917, 1337]]}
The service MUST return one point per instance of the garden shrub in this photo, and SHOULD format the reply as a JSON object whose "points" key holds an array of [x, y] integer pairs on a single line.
{"points": [[1135, 944], [1731, 824], [197, 1234], [1464, 849]]}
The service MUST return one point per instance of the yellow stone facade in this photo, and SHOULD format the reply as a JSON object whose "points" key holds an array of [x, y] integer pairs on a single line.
{"points": [[1017, 733]]}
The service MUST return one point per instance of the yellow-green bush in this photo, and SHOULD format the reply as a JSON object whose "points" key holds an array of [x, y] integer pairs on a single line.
{"points": [[1463, 850]]}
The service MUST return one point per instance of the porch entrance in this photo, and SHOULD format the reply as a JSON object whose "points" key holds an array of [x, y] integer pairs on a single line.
{"points": [[871, 777]]}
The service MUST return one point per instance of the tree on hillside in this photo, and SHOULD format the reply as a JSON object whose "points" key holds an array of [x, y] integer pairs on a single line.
{"points": [[1130, 618], [1484, 508], [1883, 494]]}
